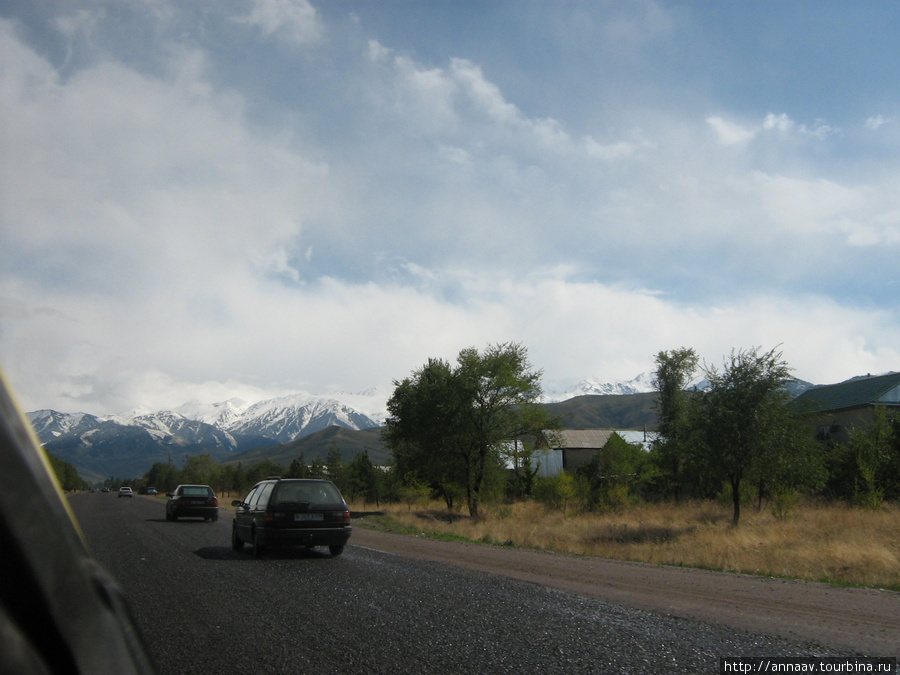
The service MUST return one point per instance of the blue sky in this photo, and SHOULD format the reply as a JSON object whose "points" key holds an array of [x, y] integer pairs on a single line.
{"points": [[253, 197]]}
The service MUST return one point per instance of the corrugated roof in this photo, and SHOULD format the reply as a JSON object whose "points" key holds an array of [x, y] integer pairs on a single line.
{"points": [[581, 438], [852, 393]]}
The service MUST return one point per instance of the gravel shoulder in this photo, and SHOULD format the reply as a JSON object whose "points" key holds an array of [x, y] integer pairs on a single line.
{"points": [[863, 621]]}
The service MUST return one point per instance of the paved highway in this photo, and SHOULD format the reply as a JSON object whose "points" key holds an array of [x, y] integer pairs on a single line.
{"points": [[204, 608]]}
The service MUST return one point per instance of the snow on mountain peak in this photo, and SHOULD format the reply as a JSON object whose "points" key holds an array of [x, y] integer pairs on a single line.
{"points": [[641, 384]]}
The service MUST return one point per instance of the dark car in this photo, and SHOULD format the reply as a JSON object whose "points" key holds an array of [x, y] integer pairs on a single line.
{"points": [[192, 501], [291, 512]]}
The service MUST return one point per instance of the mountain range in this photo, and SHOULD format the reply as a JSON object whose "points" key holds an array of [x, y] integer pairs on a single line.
{"points": [[127, 445]]}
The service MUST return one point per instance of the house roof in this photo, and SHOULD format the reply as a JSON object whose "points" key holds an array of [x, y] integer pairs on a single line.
{"points": [[580, 438], [860, 391]]}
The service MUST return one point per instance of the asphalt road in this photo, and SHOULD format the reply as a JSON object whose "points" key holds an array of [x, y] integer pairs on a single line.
{"points": [[204, 608]]}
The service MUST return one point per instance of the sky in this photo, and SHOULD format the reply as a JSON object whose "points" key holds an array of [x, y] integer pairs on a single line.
{"points": [[246, 198]]}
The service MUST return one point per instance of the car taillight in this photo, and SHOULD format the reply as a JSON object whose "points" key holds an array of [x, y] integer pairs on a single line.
{"points": [[342, 516], [213, 501]]}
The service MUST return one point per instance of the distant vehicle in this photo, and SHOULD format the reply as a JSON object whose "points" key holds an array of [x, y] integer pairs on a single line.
{"points": [[147, 491], [291, 512], [125, 492], [106, 489], [192, 501]]}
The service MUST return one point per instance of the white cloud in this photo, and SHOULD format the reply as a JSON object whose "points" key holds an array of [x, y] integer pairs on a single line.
{"points": [[168, 231], [876, 122], [295, 20], [729, 133]]}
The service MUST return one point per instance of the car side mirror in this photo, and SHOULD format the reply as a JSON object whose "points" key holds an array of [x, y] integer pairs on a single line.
{"points": [[237, 502]]}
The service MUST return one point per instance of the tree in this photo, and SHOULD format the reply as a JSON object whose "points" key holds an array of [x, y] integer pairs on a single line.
{"points": [[422, 429], [875, 453], [337, 467], [163, 476], [200, 470], [743, 420], [446, 424], [616, 473], [674, 370], [298, 468], [317, 468], [66, 474], [362, 478]]}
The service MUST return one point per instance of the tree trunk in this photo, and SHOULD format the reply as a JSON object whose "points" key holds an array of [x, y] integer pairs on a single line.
{"points": [[736, 500]]}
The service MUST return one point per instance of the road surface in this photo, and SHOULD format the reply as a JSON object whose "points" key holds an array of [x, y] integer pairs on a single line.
{"points": [[394, 604]]}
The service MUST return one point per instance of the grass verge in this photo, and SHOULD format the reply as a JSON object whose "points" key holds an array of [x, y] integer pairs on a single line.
{"points": [[827, 542]]}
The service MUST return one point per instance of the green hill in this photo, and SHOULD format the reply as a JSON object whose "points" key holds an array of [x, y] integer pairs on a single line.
{"points": [[349, 442], [625, 411]]}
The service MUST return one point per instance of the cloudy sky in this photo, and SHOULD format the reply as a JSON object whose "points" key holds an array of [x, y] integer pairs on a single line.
{"points": [[201, 200]]}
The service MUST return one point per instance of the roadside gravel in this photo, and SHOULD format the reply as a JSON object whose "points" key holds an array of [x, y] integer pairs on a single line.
{"points": [[861, 621]]}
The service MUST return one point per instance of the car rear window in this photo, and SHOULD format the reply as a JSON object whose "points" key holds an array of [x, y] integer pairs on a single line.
{"points": [[307, 493], [196, 492]]}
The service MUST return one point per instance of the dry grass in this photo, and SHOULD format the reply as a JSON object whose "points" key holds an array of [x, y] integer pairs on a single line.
{"points": [[819, 542]]}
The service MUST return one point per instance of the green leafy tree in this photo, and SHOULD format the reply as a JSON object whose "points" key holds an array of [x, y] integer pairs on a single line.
{"points": [[743, 420], [617, 473], [233, 479], [163, 476], [674, 371], [298, 468], [337, 467], [362, 478], [263, 469], [66, 474], [446, 425], [317, 469], [423, 431], [874, 451], [200, 470]]}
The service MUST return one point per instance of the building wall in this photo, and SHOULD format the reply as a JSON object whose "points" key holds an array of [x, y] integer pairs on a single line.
{"points": [[835, 426]]}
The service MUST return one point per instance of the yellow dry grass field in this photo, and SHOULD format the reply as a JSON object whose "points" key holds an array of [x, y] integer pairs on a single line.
{"points": [[828, 542]]}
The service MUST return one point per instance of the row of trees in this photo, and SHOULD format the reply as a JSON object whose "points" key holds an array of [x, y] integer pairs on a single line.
{"points": [[741, 428], [745, 430], [742, 436], [357, 479]]}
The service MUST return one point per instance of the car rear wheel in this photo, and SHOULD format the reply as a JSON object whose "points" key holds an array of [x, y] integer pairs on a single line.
{"points": [[237, 543], [336, 550]]}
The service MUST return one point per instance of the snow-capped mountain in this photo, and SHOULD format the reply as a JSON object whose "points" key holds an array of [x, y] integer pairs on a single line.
{"points": [[129, 444], [595, 386], [289, 417], [222, 415]]}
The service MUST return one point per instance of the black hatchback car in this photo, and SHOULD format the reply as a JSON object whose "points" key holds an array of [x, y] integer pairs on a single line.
{"points": [[291, 512], [192, 501]]}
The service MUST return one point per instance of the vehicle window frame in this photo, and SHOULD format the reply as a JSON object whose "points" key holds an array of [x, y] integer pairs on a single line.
{"points": [[265, 492], [251, 496]]}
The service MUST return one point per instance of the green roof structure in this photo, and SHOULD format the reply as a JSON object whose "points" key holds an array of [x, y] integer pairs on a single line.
{"points": [[855, 393]]}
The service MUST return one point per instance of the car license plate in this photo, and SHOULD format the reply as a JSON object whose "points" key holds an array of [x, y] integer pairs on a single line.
{"points": [[308, 516]]}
